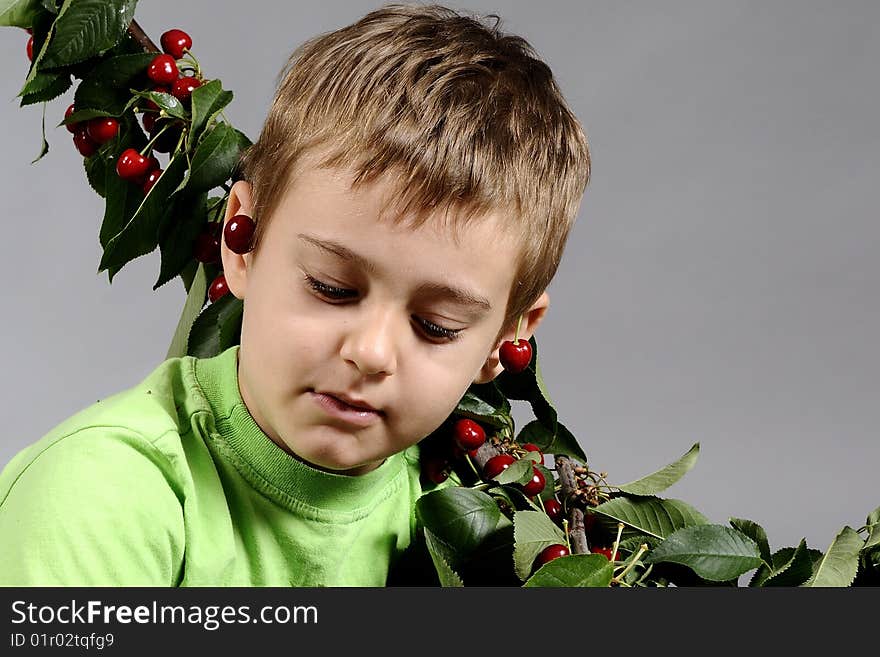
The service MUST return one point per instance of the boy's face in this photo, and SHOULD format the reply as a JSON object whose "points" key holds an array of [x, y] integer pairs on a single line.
{"points": [[341, 304]]}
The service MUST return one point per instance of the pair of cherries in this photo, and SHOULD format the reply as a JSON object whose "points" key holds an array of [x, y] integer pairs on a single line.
{"points": [[238, 234]]}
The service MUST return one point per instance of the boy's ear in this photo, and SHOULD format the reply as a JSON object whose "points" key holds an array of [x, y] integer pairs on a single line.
{"points": [[531, 318], [236, 266]]}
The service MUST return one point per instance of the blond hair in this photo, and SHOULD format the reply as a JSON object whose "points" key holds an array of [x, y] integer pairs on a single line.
{"points": [[463, 116]]}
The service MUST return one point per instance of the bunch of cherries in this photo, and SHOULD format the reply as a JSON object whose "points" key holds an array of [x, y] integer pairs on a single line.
{"points": [[133, 165]]}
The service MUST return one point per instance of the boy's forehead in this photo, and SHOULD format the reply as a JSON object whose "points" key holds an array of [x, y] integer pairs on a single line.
{"points": [[331, 189]]}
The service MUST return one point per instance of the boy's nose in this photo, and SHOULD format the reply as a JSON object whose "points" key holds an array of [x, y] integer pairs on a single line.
{"points": [[369, 343]]}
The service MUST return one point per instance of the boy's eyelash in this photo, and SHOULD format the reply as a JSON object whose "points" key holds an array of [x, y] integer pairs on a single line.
{"points": [[341, 294]]}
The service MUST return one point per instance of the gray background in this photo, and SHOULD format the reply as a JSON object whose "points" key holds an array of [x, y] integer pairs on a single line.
{"points": [[719, 285]]}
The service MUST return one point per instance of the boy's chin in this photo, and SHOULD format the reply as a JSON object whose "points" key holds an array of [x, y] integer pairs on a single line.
{"points": [[332, 466]]}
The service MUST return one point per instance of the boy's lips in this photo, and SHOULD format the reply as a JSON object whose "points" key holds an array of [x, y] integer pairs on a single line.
{"points": [[351, 401], [334, 406]]}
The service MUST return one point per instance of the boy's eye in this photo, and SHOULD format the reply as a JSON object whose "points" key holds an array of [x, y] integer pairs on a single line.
{"points": [[329, 291], [431, 330]]}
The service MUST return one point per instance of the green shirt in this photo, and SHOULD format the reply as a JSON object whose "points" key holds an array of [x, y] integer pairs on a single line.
{"points": [[172, 483]]}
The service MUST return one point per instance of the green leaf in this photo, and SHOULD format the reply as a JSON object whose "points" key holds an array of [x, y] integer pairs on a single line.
{"points": [[650, 515], [44, 148], [206, 101], [88, 28], [471, 406], [105, 90], [665, 477], [139, 235], [532, 531], [177, 233], [555, 440], [790, 567], [166, 102], [96, 173], [714, 552], [215, 329], [195, 301], [575, 570], [840, 562], [18, 13], [873, 525], [60, 83], [214, 159], [462, 517], [441, 555], [755, 532], [518, 472]]}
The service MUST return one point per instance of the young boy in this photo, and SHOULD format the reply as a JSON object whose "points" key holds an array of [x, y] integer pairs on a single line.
{"points": [[413, 188]]}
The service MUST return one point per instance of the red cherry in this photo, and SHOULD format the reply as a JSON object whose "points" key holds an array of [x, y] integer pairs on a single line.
{"points": [[515, 357], [102, 129], [550, 553], [84, 144], [174, 42], [604, 551], [435, 469], [30, 48], [207, 245], [532, 447], [131, 165], [163, 69], [182, 88], [152, 177], [589, 521], [218, 288], [553, 509], [468, 435], [149, 121], [28, 30], [70, 126], [238, 233], [496, 465], [536, 484]]}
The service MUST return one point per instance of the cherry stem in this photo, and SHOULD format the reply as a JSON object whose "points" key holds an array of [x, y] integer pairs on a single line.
{"points": [[149, 145], [616, 541], [467, 457], [516, 333], [618, 579]]}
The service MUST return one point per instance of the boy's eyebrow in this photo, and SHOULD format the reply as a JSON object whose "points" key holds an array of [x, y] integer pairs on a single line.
{"points": [[456, 294]]}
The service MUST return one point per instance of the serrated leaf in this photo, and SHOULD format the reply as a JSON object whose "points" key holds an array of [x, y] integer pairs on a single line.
{"points": [[755, 532], [166, 102], [139, 235], [714, 552], [791, 567], [206, 101], [519, 471], [195, 301], [18, 13], [532, 532], [840, 562], [475, 408], [214, 159], [442, 555], [210, 333], [555, 440], [88, 28], [105, 90], [651, 515], [462, 517], [873, 525], [42, 80], [58, 86], [80, 116], [96, 173], [665, 477], [574, 570], [632, 543], [177, 234]]}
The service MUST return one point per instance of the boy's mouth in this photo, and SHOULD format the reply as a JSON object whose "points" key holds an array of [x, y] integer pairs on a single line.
{"points": [[341, 406]]}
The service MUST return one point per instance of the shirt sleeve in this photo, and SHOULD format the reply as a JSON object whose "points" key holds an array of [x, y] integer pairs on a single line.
{"points": [[99, 507]]}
